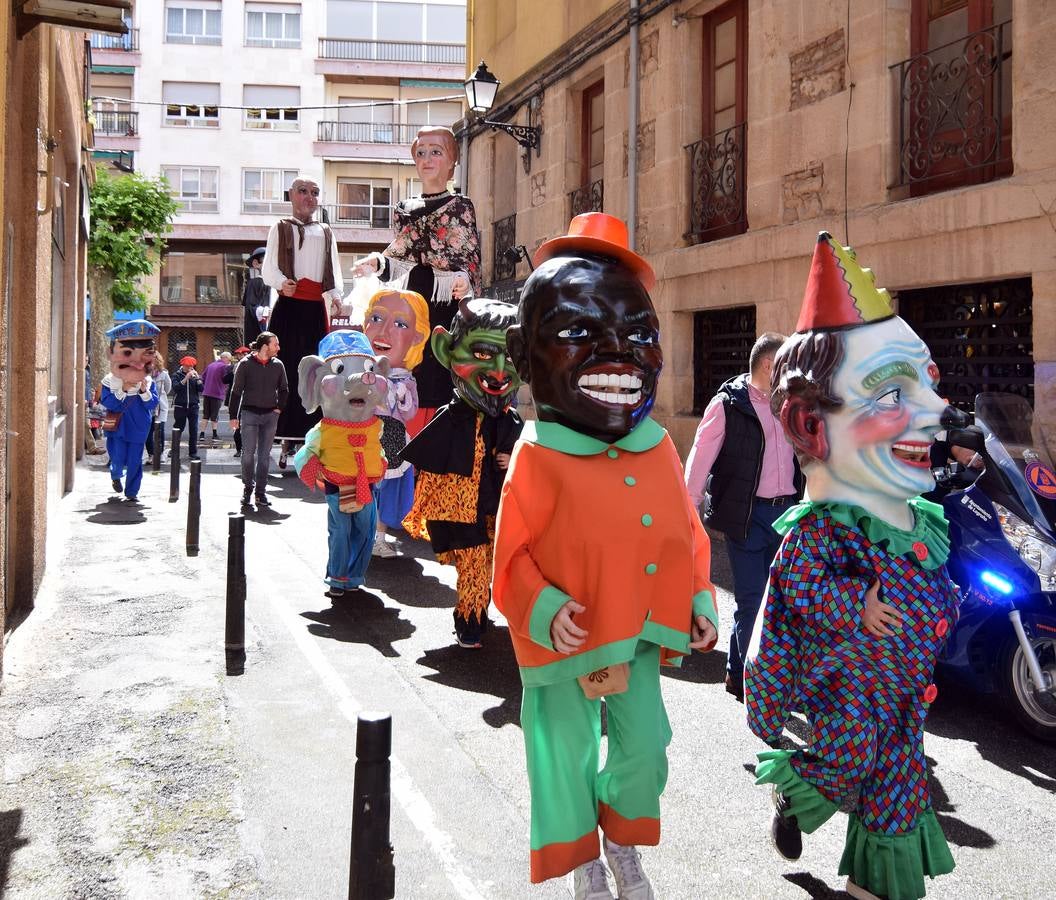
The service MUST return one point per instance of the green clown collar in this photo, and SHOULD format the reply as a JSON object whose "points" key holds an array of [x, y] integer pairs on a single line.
{"points": [[474, 351]]}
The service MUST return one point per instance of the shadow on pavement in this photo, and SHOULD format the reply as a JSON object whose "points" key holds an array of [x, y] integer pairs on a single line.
{"points": [[957, 832], [962, 715], [116, 511], [814, 886], [394, 577], [10, 823], [266, 516], [361, 617], [492, 669], [699, 668]]}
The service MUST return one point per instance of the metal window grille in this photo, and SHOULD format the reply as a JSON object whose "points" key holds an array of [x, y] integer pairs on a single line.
{"points": [[722, 343], [980, 336]]}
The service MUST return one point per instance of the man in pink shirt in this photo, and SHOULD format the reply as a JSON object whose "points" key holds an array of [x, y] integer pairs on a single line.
{"points": [[214, 391], [745, 472]]}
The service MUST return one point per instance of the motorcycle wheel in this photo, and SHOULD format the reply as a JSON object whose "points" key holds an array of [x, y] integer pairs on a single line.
{"points": [[1036, 712]]}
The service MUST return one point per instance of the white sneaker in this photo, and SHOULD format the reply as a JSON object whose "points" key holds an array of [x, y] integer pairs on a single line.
{"points": [[382, 548], [590, 881], [626, 865]]}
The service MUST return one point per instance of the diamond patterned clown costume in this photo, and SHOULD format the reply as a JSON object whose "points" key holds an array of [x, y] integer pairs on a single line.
{"points": [[855, 391]]}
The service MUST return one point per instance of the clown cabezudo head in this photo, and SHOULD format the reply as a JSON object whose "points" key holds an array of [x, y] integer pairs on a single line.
{"points": [[855, 390], [132, 350], [475, 352], [587, 337]]}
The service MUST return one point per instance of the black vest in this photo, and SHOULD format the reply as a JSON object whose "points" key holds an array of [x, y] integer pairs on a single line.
{"points": [[734, 477]]}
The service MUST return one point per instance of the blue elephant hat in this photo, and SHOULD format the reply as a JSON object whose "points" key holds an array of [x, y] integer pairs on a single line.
{"points": [[345, 343], [135, 330]]}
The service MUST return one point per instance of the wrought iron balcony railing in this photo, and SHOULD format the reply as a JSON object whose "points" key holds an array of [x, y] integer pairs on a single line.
{"points": [[392, 51], [588, 198], [358, 215], [113, 123], [129, 43], [717, 186], [955, 111], [504, 263], [367, 132]]}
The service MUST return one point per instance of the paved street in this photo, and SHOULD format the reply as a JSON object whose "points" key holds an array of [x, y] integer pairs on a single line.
{"points": [[133, 767]]}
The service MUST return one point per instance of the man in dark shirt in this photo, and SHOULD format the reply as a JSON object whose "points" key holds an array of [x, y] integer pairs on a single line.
{"points": [[186, 398], [258, 394]]}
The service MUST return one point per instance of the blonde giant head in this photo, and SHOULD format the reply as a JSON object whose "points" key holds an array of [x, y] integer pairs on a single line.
{"points": [[386, 316]]}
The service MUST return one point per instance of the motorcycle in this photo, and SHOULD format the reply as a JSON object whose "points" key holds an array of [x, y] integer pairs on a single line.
{"points": [[1003, 559]]}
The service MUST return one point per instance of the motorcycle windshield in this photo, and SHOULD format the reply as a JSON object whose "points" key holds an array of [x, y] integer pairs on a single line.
{"points": [[1018, 446]]}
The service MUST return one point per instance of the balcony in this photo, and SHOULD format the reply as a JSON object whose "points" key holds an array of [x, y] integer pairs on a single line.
{"points": [[115, 49], [364, 140], [124, 43], [367, 133], [955, 112], [265, 207], [398, 59], [504, 255], [358, 215], [717, 187], [589, 198], [112, 124]]}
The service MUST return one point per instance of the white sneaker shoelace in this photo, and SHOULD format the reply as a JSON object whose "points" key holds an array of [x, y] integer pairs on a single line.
{"points": [[626, 866], [591, 882]]}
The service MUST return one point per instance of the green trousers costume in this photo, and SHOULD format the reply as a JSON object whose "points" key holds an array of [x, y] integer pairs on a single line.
{"points": [[570, 796]]}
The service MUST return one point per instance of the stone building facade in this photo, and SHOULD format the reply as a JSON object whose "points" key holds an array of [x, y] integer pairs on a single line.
{"points": [[761, 123], [43, 233]]}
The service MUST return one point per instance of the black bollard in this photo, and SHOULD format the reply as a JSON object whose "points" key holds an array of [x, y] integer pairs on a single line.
{"points": [[174, 468], [155, 457], [194, 506], [235, 621], [371, 874]]}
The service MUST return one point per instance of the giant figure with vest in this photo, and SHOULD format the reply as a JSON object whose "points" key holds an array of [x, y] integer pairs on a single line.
{"points": [[301, 262]]}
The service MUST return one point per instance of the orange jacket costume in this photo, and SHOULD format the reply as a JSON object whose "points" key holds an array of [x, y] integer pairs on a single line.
{"points": [[610, 526], [643, 576]]}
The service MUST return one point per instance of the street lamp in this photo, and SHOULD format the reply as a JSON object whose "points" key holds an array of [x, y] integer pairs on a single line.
{"points": [[481, 88]]}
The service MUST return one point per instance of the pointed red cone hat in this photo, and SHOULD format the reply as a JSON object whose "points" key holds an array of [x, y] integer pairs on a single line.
{"points": [[840, 293]]}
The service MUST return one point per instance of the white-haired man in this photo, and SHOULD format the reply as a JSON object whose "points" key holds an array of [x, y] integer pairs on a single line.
{"points": [[301, 262]]}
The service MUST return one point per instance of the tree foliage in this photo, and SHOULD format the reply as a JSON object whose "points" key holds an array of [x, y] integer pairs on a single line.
{"points": [[130, 216]]}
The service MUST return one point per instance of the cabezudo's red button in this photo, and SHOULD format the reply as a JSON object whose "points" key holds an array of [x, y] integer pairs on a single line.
{"points": [[942, 626], [930, 693], [921, 550]]}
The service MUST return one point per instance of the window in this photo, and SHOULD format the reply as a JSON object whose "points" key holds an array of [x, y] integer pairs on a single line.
{"points": [[443, 113], [395, 32], [191, 104], [722, 343], [593, 141], [414, 187], [365, 124], [262, 190], [194, 187], [364, 204], [192, 22], [273, 25], [206, 288], [171, 288], [273, 107]]}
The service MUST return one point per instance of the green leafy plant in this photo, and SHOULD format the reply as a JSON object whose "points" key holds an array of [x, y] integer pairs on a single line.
{"points": [[131, 215]]}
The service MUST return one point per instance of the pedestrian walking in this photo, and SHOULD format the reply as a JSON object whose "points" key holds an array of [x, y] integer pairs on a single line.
{"points": [[745, 471], [859, 601], [129, 396], [163, 382], [258, 395], [229, 378], [214, 391], [186, 398], [91, 447], [601, 563], [301, 262]]}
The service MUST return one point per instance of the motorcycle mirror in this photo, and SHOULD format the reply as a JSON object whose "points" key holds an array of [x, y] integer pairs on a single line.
{"points": [[971, 438]]}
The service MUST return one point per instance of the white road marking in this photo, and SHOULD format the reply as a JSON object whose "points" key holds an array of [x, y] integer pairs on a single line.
{"points": [[406, 792]]}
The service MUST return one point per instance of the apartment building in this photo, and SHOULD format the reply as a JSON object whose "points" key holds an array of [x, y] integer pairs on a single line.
{"points": [[922, 132], [231, 100]]}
